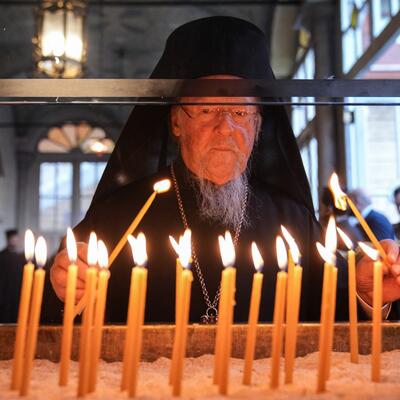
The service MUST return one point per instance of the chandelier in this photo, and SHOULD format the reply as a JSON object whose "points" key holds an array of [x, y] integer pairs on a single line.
{"points": [[60, 43]]}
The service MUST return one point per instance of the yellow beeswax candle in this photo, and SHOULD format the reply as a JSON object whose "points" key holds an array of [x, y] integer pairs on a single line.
{"points": [[353, 319], [102, 286], [23, 311], [34, 315], [181, 329], [377, 323], [68, 322], [85, 342], [253, 314], [137, 303], [279, 310]]}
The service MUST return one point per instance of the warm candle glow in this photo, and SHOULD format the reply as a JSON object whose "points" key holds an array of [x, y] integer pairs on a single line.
{"points": [[183, 249], [29, 245], [294, 249], [138, 246], [281, 253], [71, 246], [41, 252], [347, 241], [175, 244], [325, 254], [369, 251], [92, 250], [162, 186], [257, 258], [331, 237], [227, 249], [102, 254], [338, 194]]}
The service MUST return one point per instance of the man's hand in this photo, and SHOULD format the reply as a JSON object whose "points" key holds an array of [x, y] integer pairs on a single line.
{"points": [[59, 270], [391, 275]]}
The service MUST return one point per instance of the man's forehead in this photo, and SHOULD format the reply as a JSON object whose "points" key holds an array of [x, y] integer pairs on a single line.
{"points": [[220, 100]]}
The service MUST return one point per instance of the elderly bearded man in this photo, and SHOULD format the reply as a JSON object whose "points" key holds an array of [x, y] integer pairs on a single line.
{"points": [[237, 168]]}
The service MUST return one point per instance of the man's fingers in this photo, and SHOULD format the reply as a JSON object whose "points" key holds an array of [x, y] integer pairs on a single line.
{"points": [[392, 249], [79, 294], [82, 251]]}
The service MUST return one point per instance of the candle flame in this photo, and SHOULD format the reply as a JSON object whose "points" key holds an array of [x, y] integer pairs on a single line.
{"points": [[227, 249], [257, 258], [369, 251], [138, 246], [29, 245], [325, 254], [92, 255], [102, 254], [294, 249], [185, 253], [41, 252], [347, 241], [162, 186], [339, 196], [331, 236], [281, 253], [71, 246], [175, 244]]}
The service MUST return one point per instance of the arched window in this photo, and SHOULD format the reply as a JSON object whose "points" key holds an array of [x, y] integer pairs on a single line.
{"points": [[72, 158]]}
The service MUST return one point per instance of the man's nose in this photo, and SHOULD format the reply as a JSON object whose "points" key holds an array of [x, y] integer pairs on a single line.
{"points": [[225, 124]]}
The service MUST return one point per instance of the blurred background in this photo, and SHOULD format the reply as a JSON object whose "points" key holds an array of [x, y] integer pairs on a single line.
{"points": [[52, 156]]}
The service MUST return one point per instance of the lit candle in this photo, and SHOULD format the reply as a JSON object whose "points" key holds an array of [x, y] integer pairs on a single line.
{"points": [[23, 310], [292, 305], [341, 199], [85, 342], [328, 304], [34, 314], [159, 187], [183, 316], [376, 313], [136, 309], [180, 249], [353, 319], [279, 311], [225, 314], [331, 246], [178, 273], [68, 323], [102, 286], [253, 314]]}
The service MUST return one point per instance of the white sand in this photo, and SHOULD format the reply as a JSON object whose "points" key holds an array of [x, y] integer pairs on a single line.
{"points": [[348, 381]]}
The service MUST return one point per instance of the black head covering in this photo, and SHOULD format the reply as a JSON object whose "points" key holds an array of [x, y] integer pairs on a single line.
{"points": [[209, 46]]}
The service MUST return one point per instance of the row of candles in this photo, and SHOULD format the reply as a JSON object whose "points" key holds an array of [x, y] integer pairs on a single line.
{"points": [[286, 309]]}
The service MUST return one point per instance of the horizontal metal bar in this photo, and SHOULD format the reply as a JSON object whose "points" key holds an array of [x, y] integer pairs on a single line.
{"points": [[168, 91], [169, 102], [161, 3]]}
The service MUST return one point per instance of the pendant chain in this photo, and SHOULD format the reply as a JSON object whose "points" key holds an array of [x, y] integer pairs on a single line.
{"points": [[211, 312]]}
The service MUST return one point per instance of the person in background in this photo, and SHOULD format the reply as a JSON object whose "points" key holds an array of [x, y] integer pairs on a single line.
{"points": [[379, 224], [11, 267], [396, 199]]}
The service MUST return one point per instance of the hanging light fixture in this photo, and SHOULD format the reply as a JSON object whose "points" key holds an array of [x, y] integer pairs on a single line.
{"points": [[60, 45]]}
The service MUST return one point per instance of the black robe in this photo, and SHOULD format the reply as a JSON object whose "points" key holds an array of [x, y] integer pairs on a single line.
{"points": [[267, 209]]}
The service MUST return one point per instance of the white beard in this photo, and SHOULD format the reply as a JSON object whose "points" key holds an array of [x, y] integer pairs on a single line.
{"points": [[223, 203]]}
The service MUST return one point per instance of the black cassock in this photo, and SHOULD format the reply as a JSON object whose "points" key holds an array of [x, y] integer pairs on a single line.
{"points": [[267, 209]]}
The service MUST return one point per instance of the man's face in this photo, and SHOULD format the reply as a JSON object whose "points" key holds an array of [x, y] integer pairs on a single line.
{"points": [[397, 202], [216, 141]]}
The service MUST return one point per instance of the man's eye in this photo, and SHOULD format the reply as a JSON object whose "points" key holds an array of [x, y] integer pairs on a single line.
{"points": [[240, 113], [205, 111]]}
